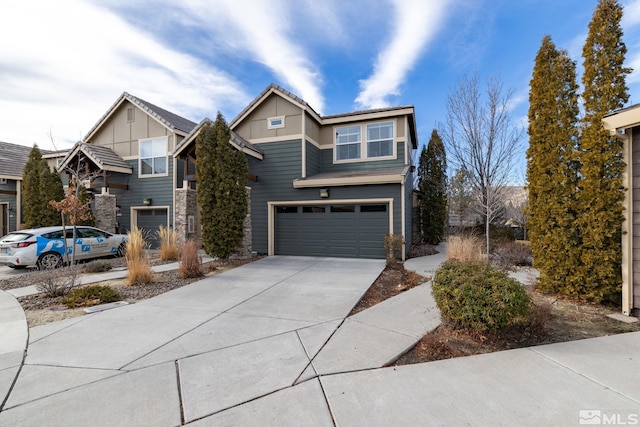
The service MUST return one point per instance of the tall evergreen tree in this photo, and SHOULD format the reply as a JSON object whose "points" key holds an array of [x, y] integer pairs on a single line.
{"points": [[552, 170], [206, 179], [221, 189], [231, 195], [432, 190], [39, 186], [601, 156]]}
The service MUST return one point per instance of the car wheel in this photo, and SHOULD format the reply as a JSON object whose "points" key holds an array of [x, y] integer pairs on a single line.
{"points": [[122, 249], [49, 260]]}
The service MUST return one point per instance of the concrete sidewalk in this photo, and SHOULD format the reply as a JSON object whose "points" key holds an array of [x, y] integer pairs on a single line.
{"points": [[268, 344]]}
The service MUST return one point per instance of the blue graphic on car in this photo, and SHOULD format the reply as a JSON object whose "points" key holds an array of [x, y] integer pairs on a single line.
{"points": [[44, 245]]}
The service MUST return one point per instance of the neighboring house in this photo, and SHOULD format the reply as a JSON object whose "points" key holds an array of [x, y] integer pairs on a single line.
{"points": [[13, 157], [126, 159], [625, 124], [327, 185]]}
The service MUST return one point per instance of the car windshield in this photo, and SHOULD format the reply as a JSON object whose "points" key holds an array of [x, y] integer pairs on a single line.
{"points": [[15, 237]]}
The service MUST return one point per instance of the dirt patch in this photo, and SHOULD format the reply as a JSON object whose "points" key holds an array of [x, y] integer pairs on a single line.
{"points": [[40, 309], [392, 281]]}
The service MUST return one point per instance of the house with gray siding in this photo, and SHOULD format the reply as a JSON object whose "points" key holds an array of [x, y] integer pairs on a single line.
{"points": [[625, 124], [327, 185], [127, 161]]}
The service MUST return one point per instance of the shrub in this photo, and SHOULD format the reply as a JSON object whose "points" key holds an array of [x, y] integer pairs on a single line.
{"points": [[190, 260], [58, 282], [168, 244], [393, 247], [97, 266], [478, 297], [465, 248], [513, 254], [139, 270], [90, 295]]}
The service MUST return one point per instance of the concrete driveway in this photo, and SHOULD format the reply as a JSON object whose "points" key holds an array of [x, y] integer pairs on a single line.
{"points": [[192, 352]]}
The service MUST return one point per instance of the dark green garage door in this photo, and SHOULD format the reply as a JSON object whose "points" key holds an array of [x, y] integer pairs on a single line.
{"points": [[354, 231], [149, 221]]}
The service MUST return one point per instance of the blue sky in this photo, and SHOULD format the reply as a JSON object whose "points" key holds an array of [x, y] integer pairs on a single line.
{"points": [[63, 63]]}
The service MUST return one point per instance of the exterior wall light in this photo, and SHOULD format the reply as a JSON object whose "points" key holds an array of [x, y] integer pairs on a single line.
{"points": [[324, 193], [147, 202]]}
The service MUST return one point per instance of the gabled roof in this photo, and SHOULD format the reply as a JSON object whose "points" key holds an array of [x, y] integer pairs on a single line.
{"points": [[334, 118], [103, 157], [13, 157], [172, 121], [274, 88], [237, 141]]}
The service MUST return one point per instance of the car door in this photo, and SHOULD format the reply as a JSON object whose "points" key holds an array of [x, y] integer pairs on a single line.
{"points": [[92, 243]]}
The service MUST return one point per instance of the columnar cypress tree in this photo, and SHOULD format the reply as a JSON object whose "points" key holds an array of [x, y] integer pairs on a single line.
{"points": [[39, 186], [221, 173], [552, 170], [206, 179], [432, 190], [601, 156], [231, 196]]}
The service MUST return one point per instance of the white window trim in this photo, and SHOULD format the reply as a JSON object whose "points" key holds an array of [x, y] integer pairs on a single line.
{"points": [[393, 140], [271, 119], [166, 157], [364, 155], [191, 224], [335, 144]]}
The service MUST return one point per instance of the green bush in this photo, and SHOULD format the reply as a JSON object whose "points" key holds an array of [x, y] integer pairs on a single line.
{"points": [[90, 295], [478, 297]]}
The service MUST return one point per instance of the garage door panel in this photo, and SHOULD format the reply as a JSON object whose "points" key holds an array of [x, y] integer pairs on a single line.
{"points": [[149, 221], [332, 230]]}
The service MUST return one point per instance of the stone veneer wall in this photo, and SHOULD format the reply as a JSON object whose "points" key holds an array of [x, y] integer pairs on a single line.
{"points": [[245, 248], [187, 205], [104, 211]]}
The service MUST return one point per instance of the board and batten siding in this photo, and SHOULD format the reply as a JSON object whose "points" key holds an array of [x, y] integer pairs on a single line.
{"points": [[276, 173], [635, 144]]}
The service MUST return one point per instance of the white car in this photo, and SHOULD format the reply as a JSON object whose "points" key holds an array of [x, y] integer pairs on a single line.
{"points": [[44, 247]]}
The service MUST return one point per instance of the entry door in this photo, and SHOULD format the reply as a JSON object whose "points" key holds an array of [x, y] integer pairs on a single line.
{"points": [[4, 219]]}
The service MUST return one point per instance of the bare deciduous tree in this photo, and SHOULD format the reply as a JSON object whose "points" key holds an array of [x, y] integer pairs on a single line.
{"points": [[482, 138]]}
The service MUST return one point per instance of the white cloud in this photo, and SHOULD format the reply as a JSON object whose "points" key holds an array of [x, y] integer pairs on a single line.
{"points": [[62, 70], [262, 32], [415, 23]]}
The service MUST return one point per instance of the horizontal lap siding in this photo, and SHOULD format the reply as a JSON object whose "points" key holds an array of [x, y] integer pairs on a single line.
{"points": [[158, 189], [10, 199], [276, 173], [328, 165]]}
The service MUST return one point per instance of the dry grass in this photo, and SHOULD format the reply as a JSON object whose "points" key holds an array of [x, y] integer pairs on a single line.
{"points": [[190, 261], [168, 244], [139, 269], [465, 249]]}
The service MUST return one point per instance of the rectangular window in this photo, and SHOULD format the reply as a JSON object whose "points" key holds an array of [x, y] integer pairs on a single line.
{"points": [[343, 208], [380, 139], [313, 209], [191, 224], [286, 209], [153, 156], [348, 142], [275, 122], [373, 208]]}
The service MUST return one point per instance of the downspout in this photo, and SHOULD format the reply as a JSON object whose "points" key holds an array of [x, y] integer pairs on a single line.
{"points": [[304, 145], [627, 225]]}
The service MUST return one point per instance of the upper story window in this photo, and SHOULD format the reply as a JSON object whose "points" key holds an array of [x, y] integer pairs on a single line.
{"points": [[153, 156], [380, 139], [348, 142], [275, 122]]}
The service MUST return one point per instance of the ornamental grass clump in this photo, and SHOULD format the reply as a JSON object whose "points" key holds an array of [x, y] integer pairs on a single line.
{"points": [[478, 297], [168, 244], [190, 260], [465, 249], [139, 269]]}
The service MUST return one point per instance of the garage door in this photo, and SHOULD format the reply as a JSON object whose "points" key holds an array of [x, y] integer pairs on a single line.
{"points": [[355, 231], [150, 220]]}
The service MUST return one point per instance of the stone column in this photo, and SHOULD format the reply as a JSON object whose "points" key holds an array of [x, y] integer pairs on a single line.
{"points": [[186, 205], [105, 211]]}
